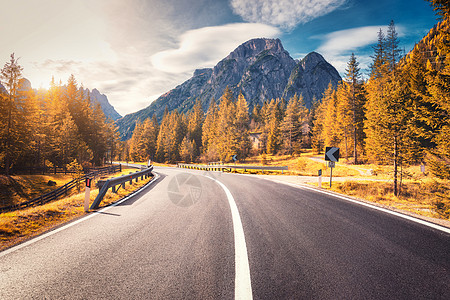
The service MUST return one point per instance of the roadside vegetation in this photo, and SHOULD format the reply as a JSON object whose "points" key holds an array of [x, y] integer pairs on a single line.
{"points": [[429, 198], [20, 225], [19, 188]]}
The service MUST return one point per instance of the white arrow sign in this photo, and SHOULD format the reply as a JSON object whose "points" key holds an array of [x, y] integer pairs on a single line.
{"points": [[332, 154]]}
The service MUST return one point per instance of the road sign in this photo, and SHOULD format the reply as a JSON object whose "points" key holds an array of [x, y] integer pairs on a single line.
{"points": [[332, 154], [234, 157]]}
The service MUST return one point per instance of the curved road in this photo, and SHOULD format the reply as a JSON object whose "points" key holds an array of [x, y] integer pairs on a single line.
{"points": [[177, 238]]}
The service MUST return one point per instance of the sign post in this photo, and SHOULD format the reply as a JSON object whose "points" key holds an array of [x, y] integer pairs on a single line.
{"points": [[332, 156], [87, 194], [320, 178]]}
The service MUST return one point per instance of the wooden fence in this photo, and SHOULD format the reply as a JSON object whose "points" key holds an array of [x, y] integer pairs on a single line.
{"points": [[63, 190]]}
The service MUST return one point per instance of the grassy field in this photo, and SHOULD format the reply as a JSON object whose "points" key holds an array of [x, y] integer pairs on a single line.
{"points": [[18, 226]]}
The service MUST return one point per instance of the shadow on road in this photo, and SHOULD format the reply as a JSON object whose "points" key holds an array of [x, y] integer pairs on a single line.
{"points": [[139, 196]]}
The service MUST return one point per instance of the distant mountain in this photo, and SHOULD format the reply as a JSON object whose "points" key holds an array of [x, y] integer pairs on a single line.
{"points": [[260, 68], [108, 109], [95, 96]]}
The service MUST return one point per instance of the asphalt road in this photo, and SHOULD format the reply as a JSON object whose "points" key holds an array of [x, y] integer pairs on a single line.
{"points": [[176, 240]]}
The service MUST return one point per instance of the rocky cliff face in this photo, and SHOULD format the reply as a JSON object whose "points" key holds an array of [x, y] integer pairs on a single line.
{"points": [[108, 109], [3, 89], [261, 69], [310, 77]]}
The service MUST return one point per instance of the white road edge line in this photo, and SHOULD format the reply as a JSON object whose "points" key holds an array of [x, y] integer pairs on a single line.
{"points": [[50, 233], [242, 281], [410, 218]]}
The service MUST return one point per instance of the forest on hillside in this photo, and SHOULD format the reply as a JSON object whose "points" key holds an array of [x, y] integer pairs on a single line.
{"points": [[59, 127], [398, 116]]}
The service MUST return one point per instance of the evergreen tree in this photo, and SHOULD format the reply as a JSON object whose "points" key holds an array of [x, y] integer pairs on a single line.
{"points": [[226, 138], [187, 149], [315, 127], [209, 132], [393, 52], [291, 126], [241, 127], [442, 7], [272, 127], [195, 125], [356, 99], [379, 58], [330, 135], [10, 75]]}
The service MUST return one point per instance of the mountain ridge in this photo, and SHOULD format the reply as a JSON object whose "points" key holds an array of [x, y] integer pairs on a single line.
{"points": [[260, 68]]}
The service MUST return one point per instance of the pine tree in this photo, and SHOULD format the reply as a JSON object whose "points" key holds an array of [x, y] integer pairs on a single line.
{"points": [[209, 132], [355, 99], [291, 126], [241, 128], [315, 127], [442, 7], [320, 136], [377, 67], [393, 52], [226, 138], [272, 127], [329, 133], [10, 75], [187, 149], [388, 119], [195, 123]]}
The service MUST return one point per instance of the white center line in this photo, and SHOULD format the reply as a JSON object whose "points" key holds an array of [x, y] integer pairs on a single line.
{"points": [[242, 281]]}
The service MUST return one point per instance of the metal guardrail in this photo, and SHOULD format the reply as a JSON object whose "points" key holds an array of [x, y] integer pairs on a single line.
{"points": [[224, 168], [113, 182], [63, 190]]}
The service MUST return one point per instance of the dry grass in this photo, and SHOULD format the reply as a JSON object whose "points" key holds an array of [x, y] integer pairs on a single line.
{"points": [[301, 165], [21, 225], [428, 198], [20, 188]]}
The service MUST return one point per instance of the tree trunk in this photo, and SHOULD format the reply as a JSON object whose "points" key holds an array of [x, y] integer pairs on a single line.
{"points": [[355, 154], [395, 166], [8, 137]]}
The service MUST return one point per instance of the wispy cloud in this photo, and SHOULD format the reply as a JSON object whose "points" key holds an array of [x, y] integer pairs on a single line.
{"points": [[204, 47], [349, 39], [286, 14], [338, 45]]}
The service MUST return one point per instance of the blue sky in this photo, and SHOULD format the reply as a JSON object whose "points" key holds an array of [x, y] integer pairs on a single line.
{"points": [[135, 50]]}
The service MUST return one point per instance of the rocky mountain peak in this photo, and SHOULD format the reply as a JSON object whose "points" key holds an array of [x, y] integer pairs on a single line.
{"points": [[107, 108], [311, 60], [253, 47], [3, 89], [205, 71], [261, 69], [24, 84]]}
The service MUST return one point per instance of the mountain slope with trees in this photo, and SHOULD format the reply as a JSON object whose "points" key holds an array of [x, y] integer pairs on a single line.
{"points": [[260, 69]]}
